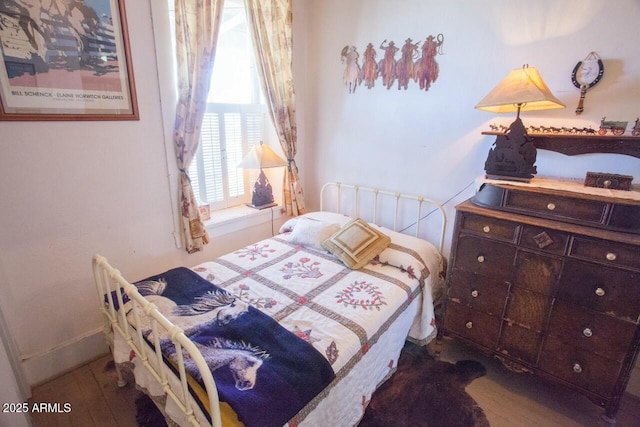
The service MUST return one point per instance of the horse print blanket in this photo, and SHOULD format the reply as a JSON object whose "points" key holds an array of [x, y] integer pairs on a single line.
{"points": [[356, 320], [265, 372]]}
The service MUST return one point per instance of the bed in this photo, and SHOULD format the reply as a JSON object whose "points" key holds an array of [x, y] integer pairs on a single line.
{"points": [[297, 329]]}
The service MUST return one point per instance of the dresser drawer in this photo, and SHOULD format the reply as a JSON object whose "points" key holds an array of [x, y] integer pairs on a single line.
{"points": [[490, 227], [478, 292], [541, 279], [544, 239], [607, 290], [625, 218], [581, 368], [486, 257], [563, 208], [604, 335], [537, 272], [519, 343], [472, 325], [527, 309], [612, 253]]}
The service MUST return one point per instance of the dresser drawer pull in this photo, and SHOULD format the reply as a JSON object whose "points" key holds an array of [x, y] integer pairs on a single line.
{"points": [[600, 292], [577, 368], [551, 206], [474, 293], [587, 332], [481, 258], [469, 325], [611, 256], [486, 229]]}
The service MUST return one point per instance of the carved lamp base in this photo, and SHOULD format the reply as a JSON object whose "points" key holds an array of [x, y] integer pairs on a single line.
{"points": [[262, 193], [513, 156]]}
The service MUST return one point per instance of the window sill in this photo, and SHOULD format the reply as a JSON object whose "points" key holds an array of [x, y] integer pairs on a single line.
{"points": [[231, 220]]}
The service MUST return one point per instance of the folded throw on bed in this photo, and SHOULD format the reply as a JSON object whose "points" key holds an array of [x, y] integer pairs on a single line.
{"points": [[263, 371]]}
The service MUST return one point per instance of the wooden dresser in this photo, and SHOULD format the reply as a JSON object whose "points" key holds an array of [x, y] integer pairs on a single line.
{"points": [[548, 282]]}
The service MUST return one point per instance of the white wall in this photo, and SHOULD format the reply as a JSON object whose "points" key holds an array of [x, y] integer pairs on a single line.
{"points": [[429, 143], [72, 189], [14, 389], [9, 394]]}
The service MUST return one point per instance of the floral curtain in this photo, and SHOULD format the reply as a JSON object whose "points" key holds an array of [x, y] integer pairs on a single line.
{"points": [[271, 23], [197, 27]]}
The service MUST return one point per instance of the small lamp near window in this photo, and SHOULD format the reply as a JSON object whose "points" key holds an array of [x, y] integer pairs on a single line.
{"points": [[260, 157], [514, 153]]}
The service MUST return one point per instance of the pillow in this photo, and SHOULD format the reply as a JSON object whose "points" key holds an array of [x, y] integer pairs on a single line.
{"points": [[356, 243], [288, 226], [331, 217], [311, 233], [420, 249], [406, 250], [327, 217]]}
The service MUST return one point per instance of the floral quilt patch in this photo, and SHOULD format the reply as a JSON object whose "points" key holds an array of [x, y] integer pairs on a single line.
{"points": [[255, 251], [304, 268], [361, 294]]}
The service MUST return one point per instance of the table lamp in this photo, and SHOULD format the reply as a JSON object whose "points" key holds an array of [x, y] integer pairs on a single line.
{"points": [[259, 157], [514, 154]]}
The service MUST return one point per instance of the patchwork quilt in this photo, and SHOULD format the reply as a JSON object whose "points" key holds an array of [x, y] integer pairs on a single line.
{"points": [[339, 311], [314, 298]]}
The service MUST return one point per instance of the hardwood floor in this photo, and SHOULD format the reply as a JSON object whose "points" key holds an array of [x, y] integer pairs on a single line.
{"points": [[94, 395], [507, 399]]}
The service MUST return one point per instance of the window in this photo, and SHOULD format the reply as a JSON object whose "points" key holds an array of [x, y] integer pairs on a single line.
{"points": [[236, 116]]}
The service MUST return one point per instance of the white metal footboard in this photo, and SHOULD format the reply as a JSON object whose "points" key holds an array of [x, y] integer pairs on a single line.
{"points": [[111, 287], [109, 282]]}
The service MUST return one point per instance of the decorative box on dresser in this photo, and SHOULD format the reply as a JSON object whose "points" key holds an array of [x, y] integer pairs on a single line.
{"points": [[548, 282]]}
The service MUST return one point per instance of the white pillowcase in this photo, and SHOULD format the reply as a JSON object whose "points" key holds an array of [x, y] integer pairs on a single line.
{"points": [[323, 216], [311, 233], [411, 251]]}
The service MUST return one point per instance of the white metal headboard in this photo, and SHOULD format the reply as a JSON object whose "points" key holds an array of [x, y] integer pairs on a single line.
{"points": [[375, 192]]}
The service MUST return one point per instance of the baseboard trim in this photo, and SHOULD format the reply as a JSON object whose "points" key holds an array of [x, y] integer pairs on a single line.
{"points": [[43, 367]]}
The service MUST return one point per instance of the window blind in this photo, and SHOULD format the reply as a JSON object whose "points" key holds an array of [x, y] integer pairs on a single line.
{"points": [[228, 132]]}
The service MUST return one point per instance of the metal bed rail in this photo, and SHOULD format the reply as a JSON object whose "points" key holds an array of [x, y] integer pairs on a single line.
{"points": [[110, 284], [397, 198], [112, 287]]}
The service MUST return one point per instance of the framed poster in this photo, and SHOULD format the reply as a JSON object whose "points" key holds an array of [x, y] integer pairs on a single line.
{"points": [[64, 60]]}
